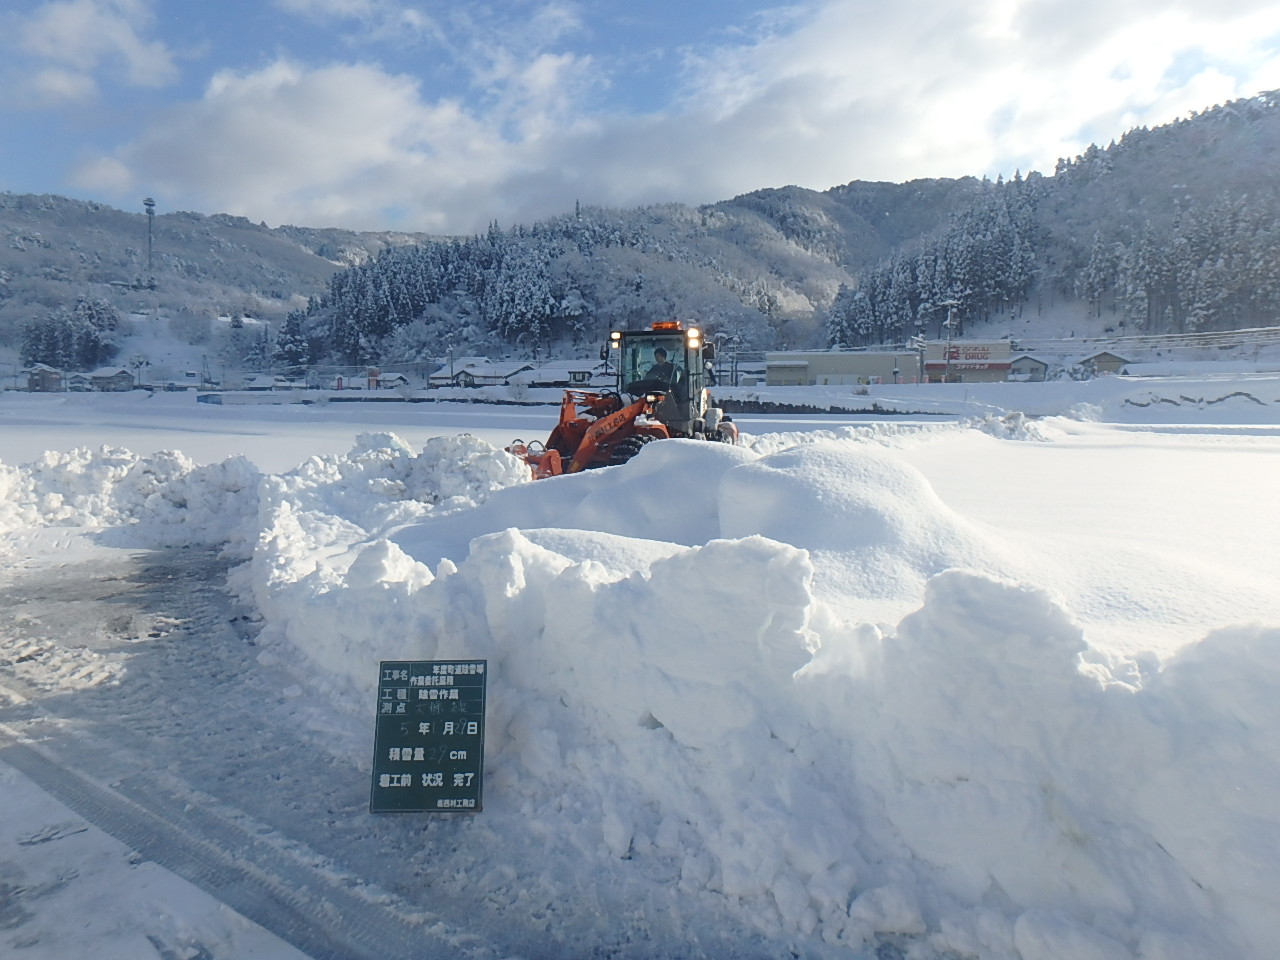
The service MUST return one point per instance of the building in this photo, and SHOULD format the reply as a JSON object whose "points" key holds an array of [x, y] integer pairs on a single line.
{"points": [[960, 361], [477, 372], [112, 379], [1028, 368], [581, 374], [42, 378], [376, 379], [967, 361], [1103, 364], [261, 381], [832, 367]]}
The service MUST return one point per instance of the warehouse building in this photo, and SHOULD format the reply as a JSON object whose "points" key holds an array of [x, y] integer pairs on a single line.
{"points": [[833, 367], [967, 362]]}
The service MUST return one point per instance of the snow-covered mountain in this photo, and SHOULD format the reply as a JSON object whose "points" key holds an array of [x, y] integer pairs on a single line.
{"points": [[54, 250], [1169, 230]]}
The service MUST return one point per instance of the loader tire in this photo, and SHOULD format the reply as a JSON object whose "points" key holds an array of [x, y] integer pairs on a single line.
{"points": [[628, 447]]}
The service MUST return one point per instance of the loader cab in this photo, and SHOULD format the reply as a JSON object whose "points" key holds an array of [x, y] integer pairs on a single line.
{"points": [[666, 359]]}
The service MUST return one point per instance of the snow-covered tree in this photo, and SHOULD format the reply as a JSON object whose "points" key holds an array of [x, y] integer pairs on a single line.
{"points": [[291, 347], [81, 338]]}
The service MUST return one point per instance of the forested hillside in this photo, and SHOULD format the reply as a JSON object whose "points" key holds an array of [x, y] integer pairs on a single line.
{"points": [[762, 268], [1172, 229], [62, 259]]}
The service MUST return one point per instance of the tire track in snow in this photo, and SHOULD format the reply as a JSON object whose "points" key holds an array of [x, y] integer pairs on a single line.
{"points": [[102, 771], [300, 906]]}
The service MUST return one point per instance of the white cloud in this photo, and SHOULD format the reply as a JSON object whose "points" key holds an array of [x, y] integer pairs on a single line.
{"points": [[915, 89], [329, 8], [333, 145], [106, 174], [829, 92], [381, 21], [56, 85], [85, 36]]}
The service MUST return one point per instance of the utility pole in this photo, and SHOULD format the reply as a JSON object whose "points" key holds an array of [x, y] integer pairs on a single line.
{"points": [[151, 217], [917, 343], [949, 323]]}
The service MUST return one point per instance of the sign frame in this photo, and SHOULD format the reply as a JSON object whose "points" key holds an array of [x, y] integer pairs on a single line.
{"points": [[428, 743]]}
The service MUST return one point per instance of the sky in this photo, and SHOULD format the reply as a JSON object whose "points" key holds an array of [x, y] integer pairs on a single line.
{"points": [[442, 117]]}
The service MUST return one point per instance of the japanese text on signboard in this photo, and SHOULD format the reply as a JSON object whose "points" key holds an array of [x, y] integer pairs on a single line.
{"points": [[429, 736]]}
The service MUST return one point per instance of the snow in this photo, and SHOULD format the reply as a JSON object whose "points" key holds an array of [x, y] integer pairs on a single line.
{"points": [[968, 685], [125, 908]]}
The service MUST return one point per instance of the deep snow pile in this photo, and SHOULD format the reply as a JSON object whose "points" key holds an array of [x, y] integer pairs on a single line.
{"points": [[695, 687]]}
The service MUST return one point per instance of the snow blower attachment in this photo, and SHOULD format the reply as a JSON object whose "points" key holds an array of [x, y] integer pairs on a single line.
{"points": [[661, 392]]}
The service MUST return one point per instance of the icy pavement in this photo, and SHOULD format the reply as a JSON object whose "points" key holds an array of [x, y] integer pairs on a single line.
{"points": [[69, 889], [129, 695]]}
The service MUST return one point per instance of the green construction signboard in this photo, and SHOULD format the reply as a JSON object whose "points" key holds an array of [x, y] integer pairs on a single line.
{"points": [[428, 744]]}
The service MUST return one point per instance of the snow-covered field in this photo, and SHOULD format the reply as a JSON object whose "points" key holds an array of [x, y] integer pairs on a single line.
{"points": [[952, 686]]}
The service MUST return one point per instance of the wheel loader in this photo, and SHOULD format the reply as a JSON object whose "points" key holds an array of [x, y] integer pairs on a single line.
{"points": [[661, 392]]}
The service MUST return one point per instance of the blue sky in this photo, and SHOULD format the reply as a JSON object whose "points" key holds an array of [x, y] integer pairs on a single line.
{"points": [[441, 116]]}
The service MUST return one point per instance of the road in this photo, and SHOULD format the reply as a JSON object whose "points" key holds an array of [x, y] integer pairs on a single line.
{"points": [[130, 695]]}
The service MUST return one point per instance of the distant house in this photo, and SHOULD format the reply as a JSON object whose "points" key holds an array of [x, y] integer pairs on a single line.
{"points": [[567, 373], [376, 379], [477, 372], [42, 378], [1028, 368], [79, 383], [1103, 364], [260, 381], [112, 379]]}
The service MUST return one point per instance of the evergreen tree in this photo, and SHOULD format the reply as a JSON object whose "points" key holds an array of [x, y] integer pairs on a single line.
{"points": [[258, 350], [82, 338], [291, 348]]}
